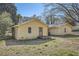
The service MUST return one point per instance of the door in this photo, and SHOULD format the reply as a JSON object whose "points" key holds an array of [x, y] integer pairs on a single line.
{"points": [[40, 31]]}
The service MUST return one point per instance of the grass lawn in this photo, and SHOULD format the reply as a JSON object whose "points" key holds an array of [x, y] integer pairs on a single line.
{"points": [[57, 47], [67, 36]]}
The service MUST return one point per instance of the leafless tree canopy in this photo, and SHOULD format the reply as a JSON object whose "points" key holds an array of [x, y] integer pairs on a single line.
{"points": [[68, 11]]}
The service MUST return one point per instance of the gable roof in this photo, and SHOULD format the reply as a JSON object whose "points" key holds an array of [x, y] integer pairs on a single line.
{"points": [[30, 20], [58, 25]]}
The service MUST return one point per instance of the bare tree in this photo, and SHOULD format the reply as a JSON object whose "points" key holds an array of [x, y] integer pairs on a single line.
{"points": [[69, 11]]}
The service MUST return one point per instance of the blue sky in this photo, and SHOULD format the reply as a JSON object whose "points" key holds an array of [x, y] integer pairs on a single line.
{"points": [[29, 9]]}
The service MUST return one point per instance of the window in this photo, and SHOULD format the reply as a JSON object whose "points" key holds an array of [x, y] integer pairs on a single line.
{"points": [[29, 30]]}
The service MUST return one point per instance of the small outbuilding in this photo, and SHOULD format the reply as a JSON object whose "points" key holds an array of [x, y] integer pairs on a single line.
{"points": [[31, 29], [60, 29]]}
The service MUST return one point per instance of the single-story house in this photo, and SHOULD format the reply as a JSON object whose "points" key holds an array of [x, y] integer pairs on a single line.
{"points": [[60, 29], [30, 29], [75, 30]]}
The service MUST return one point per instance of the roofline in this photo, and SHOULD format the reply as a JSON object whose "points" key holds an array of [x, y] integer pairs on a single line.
{"points": [[60, 25], [29, 21]]}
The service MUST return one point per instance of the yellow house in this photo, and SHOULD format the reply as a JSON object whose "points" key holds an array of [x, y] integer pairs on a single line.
{"points": [[60, 29], [30, 29]]}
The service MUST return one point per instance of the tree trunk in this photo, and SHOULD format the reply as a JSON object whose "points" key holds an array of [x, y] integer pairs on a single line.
{"points": [[13, 32]]}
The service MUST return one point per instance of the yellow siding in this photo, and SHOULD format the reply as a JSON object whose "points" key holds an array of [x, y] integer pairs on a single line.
{"points": [[60, 30], [22, 30]]}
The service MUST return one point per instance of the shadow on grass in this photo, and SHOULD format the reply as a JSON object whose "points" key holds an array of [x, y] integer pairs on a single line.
{"points": [[26, 42]]}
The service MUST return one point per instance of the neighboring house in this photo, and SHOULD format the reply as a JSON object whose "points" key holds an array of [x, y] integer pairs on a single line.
{"points": [[31, 29], [60, 29], [75, 30]]}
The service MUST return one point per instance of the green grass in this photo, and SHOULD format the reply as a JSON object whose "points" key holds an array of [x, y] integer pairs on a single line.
{"points": [[2, 43], [57, 47], [67, 36], [64, 52]]}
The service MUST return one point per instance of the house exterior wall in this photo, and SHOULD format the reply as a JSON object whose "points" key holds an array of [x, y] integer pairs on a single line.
{"points": [[60, 30], [22, 30], [75, 30]]}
